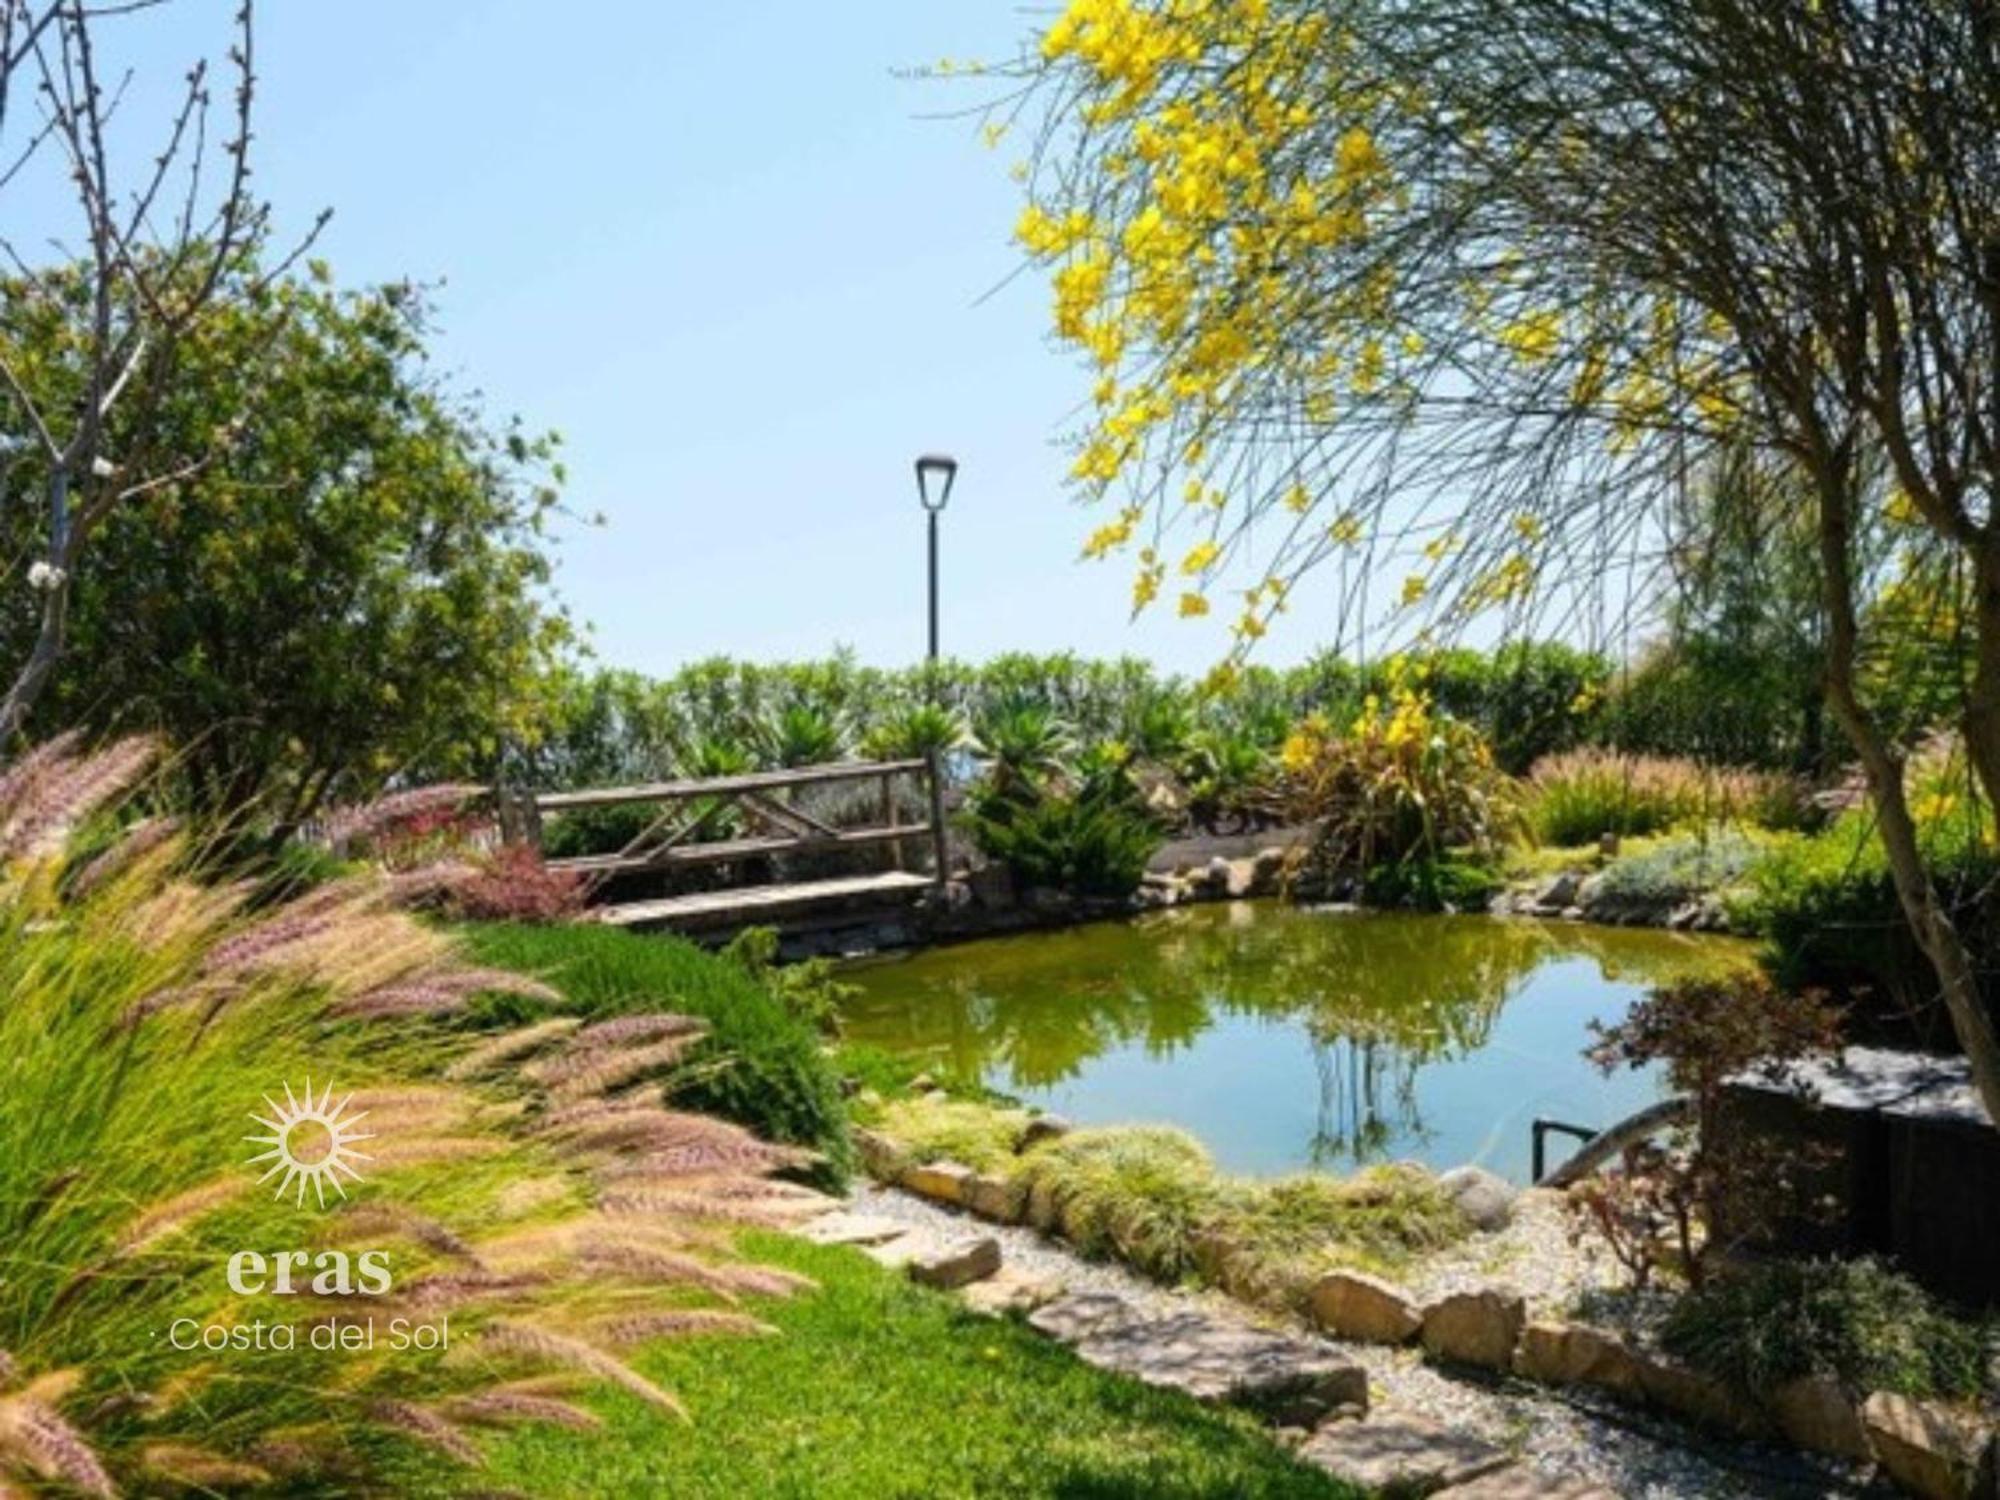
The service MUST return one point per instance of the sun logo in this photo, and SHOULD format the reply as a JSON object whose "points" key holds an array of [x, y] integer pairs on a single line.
{"points": [[312, 1143]]}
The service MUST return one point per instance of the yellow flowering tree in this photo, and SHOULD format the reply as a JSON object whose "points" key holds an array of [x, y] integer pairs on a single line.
{"points": [[1451, 299]]}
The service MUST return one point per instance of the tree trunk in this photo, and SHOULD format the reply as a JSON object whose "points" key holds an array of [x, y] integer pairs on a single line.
{"points": [[1930, 922]]}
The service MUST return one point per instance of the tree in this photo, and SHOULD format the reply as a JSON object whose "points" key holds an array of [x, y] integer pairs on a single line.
{"points": [[351, 586], [1477, 286], [150, 258]]}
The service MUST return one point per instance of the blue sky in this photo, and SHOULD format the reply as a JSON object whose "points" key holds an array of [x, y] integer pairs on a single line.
{"points": [[722, 250]]}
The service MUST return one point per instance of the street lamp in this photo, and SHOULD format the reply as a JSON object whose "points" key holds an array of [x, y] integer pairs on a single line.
{"points": [[935, 473]]}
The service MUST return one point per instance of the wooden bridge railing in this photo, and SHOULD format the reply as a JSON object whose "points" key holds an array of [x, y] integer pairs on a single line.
{"points": [[773, 825]]}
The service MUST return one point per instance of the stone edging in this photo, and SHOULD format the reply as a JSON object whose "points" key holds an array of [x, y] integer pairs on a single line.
{"points": [[1927, 1448]]}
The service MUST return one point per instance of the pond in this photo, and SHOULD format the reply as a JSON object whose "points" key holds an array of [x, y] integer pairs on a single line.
{"points": [[1285, 1037]]}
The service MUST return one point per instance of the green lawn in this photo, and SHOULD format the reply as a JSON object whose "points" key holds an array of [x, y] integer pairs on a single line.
{"points": [[876, 1389]]}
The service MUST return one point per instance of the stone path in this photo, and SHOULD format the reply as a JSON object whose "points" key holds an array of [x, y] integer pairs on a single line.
{"points": [[1379, 1417]]}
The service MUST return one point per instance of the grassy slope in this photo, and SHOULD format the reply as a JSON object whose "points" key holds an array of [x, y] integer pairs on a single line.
{"points": [[775, 1079], [876, 1389]]}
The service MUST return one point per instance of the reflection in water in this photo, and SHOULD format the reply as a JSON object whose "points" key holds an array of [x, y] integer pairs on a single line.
{"points": [[1378, 1034]]}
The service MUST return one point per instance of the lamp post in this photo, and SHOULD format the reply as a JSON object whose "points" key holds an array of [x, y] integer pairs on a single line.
{"points": [[935, 473]]}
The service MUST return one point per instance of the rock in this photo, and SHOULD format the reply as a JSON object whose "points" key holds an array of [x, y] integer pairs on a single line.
{"points": [[843, 1228], [993, 1197], [1476, 1328], [1816, 1413], [1399, 1454], [1215, 875], [1926, 1447], [1009, 1290], [992, 887], [1241, 879], [1519, 1482], [1358, 1306], [923, 1083], [1047, 901], [1042, 1128], [955, 1264], [1557, 1353], [883, 1157], [940, 1181], [1697, 1396], [1289, 1380], [1559, 892], [1485, 1199], [1080, 1315], [900, 1251]]}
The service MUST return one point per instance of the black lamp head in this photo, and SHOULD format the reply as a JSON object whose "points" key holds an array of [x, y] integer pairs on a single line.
{"points": [[935, 471]]}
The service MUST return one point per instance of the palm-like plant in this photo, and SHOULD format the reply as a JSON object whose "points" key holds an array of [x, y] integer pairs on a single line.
{"points": [[1160, 727], [801, 735], [1023, 746], [915, 733]]}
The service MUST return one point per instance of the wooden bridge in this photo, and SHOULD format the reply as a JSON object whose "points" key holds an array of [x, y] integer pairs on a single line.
{"points": [[758, 818]]}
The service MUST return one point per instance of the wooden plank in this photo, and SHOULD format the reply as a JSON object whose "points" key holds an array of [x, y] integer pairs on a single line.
{"points": [[783, 815], [758, 903], [752, 781], [727, 849]]}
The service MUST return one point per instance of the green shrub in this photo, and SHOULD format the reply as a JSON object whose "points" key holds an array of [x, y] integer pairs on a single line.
{"points": [[1682, 867], [1447, 884], [761, 1064], [1403, 781], [1090, 843], [1827, 908], [940, 1129], [1139, 1193], [1854, 1320], [1288, 1231]]}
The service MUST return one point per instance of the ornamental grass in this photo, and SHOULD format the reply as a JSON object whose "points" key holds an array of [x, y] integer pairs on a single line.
{"points": [[527, 1187]]}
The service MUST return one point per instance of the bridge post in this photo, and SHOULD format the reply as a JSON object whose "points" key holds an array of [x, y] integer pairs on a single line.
{"points": [[934, 774]]}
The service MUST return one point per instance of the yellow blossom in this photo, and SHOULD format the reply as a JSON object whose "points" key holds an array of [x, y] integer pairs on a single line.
{"points": [[1193, 604], [1199, 557]]}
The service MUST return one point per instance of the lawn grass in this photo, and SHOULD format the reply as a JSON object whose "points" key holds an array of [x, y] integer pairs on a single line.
{"points": [[875, 1389]]}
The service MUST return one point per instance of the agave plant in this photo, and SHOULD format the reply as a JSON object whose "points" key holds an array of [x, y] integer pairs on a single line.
{"points": [[1160, 728], [536, 1191], [1023, 745], [915, 733], [801, 735]]}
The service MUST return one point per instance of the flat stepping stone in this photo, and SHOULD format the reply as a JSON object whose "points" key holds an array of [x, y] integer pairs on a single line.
{"points": [[904, 1248], [1403, 1455], [1010, 1290], [956, 1262], [1293, 1381], [1519, 1482], [844, 1228]]}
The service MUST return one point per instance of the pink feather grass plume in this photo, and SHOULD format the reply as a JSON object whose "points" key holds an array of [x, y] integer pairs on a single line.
{"points": [[49, 791], [627, 1236], [414, 810]]}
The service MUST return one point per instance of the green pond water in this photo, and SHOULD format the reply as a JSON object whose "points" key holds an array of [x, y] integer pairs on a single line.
{"points": [[1285, 1037]]}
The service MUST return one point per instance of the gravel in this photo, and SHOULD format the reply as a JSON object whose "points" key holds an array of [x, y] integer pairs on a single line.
{"points": [[1571, 1435]]}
